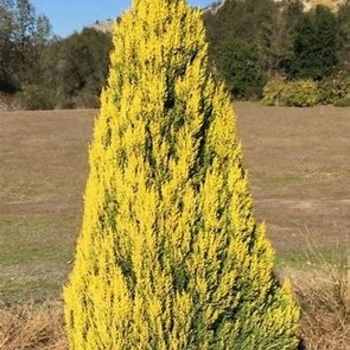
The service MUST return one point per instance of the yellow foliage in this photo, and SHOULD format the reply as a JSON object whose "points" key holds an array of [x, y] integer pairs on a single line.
{"points": [[332, 4], [169, 256]]}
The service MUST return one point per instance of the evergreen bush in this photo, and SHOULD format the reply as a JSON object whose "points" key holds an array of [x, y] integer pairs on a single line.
{"points": [[35, 97], [342, 102], [239, 66], [273, 92], [297, 93], [334, 88], [170, 255], [301, 93]]}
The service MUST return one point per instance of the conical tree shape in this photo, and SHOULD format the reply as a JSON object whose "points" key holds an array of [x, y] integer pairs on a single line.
{"points": [[169, 256]]}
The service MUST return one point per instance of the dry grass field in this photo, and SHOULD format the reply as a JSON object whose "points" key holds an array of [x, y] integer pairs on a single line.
{"points": [[43, 157], [299, 170], [299, 166]]}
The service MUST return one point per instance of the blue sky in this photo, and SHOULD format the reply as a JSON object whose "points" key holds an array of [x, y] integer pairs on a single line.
{"points": [[67, 16]]}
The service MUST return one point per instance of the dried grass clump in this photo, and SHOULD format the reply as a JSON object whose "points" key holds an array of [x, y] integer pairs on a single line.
{"points": [[323, 290], [326, 310], [32, 327], [10, 103]]}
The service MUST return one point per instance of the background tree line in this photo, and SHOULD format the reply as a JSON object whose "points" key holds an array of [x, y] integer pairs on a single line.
{"points": [[255, 41], [42, 71], [252, 43]]}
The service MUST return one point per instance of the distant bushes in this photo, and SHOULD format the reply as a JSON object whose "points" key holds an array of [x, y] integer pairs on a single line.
{"points": [[250, 43], [9, 103], [342, 102], [333, 89], [253, 42], [306, 92], [240, 68], [34, 97], [302, 93], [298, 93], [273, 92], [70, 73]]}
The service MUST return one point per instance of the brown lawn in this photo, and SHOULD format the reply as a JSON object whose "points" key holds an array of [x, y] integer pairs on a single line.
{"points": [[299, 170]]}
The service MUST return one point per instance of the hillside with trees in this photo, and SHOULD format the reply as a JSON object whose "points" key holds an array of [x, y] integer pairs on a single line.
{"points": [[24, 35], [253, 42], [286, 52], [39, 70]]}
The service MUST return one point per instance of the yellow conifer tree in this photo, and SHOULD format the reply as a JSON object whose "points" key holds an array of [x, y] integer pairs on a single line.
{"points": [[170, 256]]}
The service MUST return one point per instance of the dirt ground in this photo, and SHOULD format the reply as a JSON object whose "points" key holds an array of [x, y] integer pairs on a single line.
{"points": [[299, 170]]}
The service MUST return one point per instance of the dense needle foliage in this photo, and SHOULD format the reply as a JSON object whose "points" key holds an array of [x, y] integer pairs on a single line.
{"points": [[170, 255]]}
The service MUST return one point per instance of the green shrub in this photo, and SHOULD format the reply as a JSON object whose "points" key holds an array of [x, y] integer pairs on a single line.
{"points": [[342, 102], [273, 92], [298, 93], [240, 68], [37, 97], [170, 255], [334, 88], [86, 99], [253, 93], [301, 93]]}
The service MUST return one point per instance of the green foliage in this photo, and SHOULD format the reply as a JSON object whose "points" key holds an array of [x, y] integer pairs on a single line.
{"points": [[344, 35], [49, 72], [273, 92], [239, 66], [81, 68], [301, 93], [334, 88], [315, 45], [170, 255], [73, 70], [251, 41], [343, 102], [298, 93], [281, 37], [246, 45], [23, 35], [34, 97]]}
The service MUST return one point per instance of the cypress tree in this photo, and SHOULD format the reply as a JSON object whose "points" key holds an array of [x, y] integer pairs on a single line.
{"points": [[170, 255]]}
